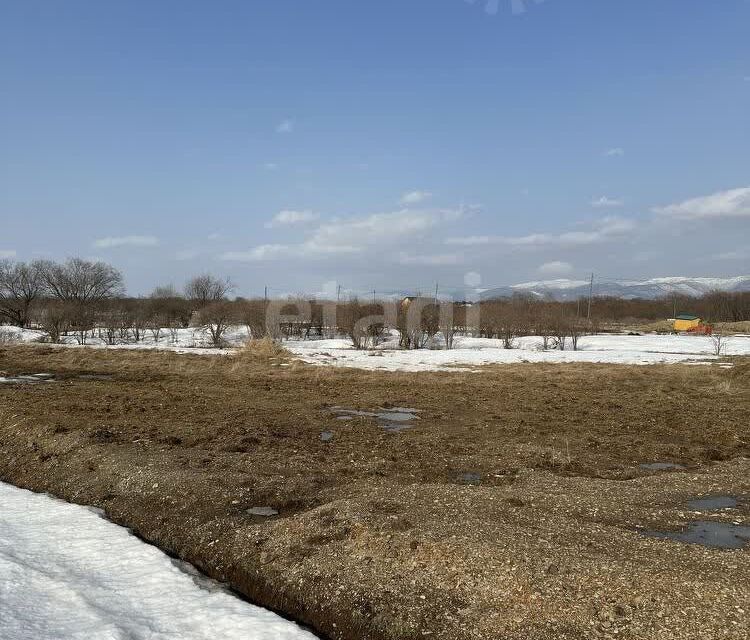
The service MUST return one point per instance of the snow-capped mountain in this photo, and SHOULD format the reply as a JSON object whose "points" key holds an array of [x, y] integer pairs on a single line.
{"points": [[564, 289]]}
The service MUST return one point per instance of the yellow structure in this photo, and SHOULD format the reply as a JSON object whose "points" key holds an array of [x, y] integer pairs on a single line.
{"points": [[686, 322]]}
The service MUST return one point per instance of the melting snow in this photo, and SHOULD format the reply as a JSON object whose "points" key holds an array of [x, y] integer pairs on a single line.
{"points": [[68, 574], [469, 352]]}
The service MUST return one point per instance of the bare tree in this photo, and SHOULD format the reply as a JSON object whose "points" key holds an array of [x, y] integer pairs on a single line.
{"points": [[80, 281], [719, 343], [20, 285], [205, 289], [81, 284], [216, 319]]}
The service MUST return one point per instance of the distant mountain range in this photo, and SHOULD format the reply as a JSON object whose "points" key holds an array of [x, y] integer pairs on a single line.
{"points": [[653, 288]]}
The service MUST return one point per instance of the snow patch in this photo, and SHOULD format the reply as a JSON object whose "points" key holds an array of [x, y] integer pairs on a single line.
{"points": [[68, 574]]}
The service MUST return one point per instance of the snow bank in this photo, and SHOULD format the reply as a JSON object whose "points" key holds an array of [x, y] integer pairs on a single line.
{"points": [[68, 574], [469, 352], [473, 352]]}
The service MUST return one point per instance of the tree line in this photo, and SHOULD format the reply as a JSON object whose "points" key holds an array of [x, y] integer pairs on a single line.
{"points": [[87, 299]]}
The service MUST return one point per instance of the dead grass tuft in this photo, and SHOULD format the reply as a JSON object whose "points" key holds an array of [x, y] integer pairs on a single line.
{"points": [[263, 348]]}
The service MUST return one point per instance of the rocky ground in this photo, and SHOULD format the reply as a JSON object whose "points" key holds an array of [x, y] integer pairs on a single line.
{"points": [[513, 506]]}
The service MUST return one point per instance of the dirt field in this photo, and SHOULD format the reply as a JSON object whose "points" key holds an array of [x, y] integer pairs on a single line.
{"points": [[511, 509]]}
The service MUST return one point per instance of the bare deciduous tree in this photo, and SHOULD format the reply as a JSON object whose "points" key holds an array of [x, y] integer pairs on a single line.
{"points": [[81, 281], [21, 284], [205, 289]]}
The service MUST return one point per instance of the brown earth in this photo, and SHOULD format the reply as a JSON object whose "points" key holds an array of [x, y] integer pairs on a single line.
{"points": [[382, 535]]}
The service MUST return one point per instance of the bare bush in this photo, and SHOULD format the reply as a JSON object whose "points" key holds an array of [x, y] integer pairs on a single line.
{"points": [[215, 319], [719, 343], [55, 319], [363, 324], [448, 313], [417, 322], [252, 314]]}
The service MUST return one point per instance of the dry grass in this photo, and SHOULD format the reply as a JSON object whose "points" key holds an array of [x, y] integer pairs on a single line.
{"points": [[729, 328], [263, 349], [179, 447]]}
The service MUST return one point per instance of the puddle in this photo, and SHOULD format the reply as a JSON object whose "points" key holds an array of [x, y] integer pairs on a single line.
{"points": [[265, 512], [393, 419], [713, 503], [33, 378], [326, 436], [661, 466], [470, 477], [715, 535]]}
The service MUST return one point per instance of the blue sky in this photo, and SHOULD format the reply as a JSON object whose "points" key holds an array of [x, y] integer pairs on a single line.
{"points": [[387, 144]]}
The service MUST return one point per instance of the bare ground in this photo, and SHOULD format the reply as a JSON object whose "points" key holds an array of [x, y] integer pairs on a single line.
{"points": [[382, 535]]}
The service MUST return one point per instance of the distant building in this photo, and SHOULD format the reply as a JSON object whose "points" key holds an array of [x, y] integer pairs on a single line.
{"points": [[687, 322]]}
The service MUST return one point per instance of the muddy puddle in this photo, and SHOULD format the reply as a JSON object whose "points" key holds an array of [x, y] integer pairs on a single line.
{"points": [[37, 378], [661, 466], [33, 378], [715, 535], [713, 503], [470, 477], [263, 512], [392, 419], [709, 533]]}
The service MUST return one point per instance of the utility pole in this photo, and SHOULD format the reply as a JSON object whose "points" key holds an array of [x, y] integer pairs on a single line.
{"points": [[338, 293], [436, 293], [373, 296], [265, 294], [591, 295]]}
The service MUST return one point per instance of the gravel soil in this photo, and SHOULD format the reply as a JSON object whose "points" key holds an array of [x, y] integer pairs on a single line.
{"points": [[513, 508]]}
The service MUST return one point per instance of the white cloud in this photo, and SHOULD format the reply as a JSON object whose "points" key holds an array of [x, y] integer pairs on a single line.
{"points": [[614, 152], [271, 252], [271, 166], [213, 236], [288, 218], [415, 197], [260, 253], [602, 230], [436, 260], [555, 268], [353, 235], [381, 228], [126, 241], [7, 253], [285, 126], [606, 203], [734, 203]]}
